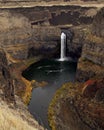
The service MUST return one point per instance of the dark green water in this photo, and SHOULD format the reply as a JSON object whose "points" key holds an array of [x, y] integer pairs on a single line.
{"points": [[55, 73]]}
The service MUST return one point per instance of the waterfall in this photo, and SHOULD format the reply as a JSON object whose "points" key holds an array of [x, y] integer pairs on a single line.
{"points": [[63, 47]]}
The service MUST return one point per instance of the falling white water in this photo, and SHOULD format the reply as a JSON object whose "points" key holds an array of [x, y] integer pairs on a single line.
{"points": [[63, 47]]}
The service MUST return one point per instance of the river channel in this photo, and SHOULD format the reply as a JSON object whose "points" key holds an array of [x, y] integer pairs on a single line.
{"points": [[54, 73]]}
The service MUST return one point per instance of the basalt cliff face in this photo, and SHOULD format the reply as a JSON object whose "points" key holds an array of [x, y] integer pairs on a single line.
{"points": [[30, 33], [93, 53], [13, 113], [6, 83], [83, 99]]}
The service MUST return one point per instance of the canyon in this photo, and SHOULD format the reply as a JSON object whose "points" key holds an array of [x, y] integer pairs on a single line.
{"points": [[30, 32], [85, 97]]}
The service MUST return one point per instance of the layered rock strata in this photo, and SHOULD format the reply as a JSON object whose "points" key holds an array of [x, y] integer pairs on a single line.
{"points": [[83, 100], [35, 31], [78, 106], [7, 83], [93, 51], [13, 112], [28, 32]]}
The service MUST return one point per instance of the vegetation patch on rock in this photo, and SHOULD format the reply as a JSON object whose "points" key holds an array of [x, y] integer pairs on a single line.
{"points": [[71, 99]]}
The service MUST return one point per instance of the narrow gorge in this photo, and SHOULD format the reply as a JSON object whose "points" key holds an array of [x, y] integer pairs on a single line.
{"points": [[30, 44]]}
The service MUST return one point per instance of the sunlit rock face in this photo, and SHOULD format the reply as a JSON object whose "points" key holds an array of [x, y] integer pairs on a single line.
{"points": [[13, 111], [16, 118], [15, 31]]}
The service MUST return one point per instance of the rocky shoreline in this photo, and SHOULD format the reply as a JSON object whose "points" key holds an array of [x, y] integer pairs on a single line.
{"points": [[13, 91], [85, 99], [26, 39], [79, 112]]}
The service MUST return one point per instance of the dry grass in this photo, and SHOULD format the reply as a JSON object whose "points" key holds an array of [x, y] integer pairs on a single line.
{"points": [[27, 94], [11, 120], [60, 94]]}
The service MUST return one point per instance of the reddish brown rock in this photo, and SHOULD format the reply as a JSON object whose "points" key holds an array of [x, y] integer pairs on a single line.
{"points": [[91, 87]]}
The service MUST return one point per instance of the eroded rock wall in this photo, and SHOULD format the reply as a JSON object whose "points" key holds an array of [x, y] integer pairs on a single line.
{"points": [[91, 63], [14, 114], [93, 48], [94, 52], [15, 31], [27, 32], [6, 84], [98, 24]]}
